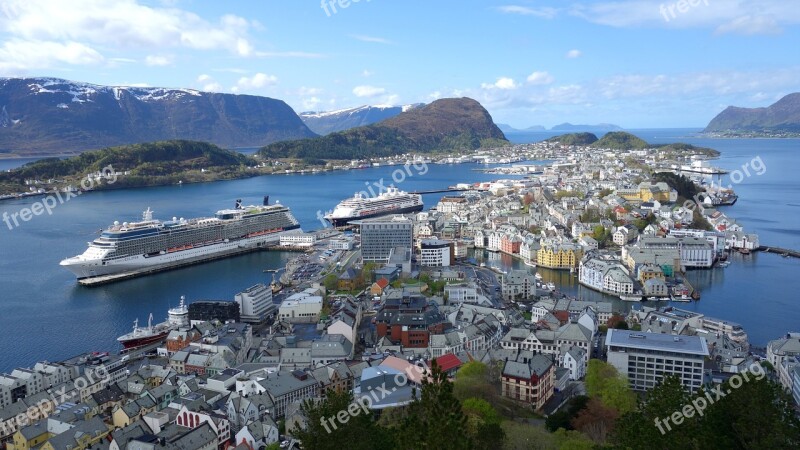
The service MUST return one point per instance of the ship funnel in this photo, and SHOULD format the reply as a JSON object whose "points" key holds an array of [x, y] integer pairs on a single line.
{"points": [[238, 203], [266, 200]]}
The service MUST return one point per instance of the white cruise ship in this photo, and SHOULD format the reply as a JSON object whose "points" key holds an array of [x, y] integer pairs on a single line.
{"points": [[138, 248], [393, 201]]}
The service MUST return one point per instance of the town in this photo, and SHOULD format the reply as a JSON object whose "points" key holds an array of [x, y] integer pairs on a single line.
{"points": [[358, 308]]}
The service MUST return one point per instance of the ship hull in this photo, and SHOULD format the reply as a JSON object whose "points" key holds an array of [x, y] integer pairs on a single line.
{"points": [[343, 221], [92, 272], [140, 342]]}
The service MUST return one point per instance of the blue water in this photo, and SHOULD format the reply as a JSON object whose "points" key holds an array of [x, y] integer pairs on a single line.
{"points": [[46, 315]]}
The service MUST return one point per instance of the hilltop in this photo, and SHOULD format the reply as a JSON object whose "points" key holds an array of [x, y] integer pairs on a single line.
{"points": [[328, 122], [446, 124], [620, 140], [574, 139]]}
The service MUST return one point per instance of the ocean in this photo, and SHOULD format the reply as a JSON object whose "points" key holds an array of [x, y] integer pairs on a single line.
{"points": [[46, 315]]}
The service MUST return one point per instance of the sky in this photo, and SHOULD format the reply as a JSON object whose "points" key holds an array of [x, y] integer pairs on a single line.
{"points": [[634, 63]]}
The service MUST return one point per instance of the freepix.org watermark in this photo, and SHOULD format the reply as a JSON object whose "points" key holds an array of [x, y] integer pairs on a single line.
{"points": [[49, 202], [699, 404], [46, 406], [681, 6], [374, 395], [376, 188], [754, 167], [330, 6]]}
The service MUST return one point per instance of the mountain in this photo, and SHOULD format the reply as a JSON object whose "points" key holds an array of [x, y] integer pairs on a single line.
{"points": [[446, 124], [505, 128], [328, 122], [781, 116], [574, 139], [54, 116], [620, 140], [599, 127]]}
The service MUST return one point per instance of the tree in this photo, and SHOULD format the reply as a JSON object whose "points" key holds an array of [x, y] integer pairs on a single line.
{"points": [[596, 421], [367, 270], [604, 382], [325, 430], [483, 423], [331, 282], [473, 381], [563, 417], [435, 419]]}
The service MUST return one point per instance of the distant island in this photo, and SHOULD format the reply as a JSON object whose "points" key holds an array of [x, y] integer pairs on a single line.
{"points": [[51, 116], [601, 127], [781, 119], [620, 140], [444, 125]]}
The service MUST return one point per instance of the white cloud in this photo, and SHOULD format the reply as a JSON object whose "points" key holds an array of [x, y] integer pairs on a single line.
{"points": [[372, 39], [208, 84], [502, 83], [122, 24], [750, 25], [366, 73], [540, 78], [306, 91], [436, 95], [724, 16], [307, 55], [155, 60], [543, 12], [19, 56], [257, 81], [572, 54], [368, 91], [310, 104]]}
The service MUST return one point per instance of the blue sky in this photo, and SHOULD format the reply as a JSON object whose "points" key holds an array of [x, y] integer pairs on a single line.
{"points": [[635, 63]]}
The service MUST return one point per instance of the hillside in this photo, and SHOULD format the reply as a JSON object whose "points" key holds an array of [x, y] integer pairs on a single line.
{"points": [[781, 116], [574, 139], [328, 122], [40, 116], [444, 125], [148, 164], [620, 140]]}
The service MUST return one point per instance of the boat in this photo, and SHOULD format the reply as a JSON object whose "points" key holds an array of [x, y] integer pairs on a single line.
{"points": [[682, 298], [653, 299], [724, 264], [530, 263], [125, 250], [630, 298], [393, 201], [177, 317], [744, 251]]}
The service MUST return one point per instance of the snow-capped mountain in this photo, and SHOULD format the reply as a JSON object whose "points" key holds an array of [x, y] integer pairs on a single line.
{"points": [[51, 115], [331, 121]]}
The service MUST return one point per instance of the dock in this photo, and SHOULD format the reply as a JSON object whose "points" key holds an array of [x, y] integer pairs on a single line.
{"points": [[438, 191], [785, 252], [105, 279]]}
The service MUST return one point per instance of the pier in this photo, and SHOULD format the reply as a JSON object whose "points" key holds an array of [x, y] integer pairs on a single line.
{"points": [[438, 191], [785, 252]]}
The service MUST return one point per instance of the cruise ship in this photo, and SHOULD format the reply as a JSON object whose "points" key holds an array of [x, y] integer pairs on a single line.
{"points": [[126, 250], [177, 317], [393, 201]]}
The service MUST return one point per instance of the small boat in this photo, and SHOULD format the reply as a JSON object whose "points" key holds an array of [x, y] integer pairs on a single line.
{"points": [[630, 298], [653, 299]]}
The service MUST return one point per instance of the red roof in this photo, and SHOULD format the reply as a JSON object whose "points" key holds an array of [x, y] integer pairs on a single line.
{"points": [[382, 283], [448, 362]]}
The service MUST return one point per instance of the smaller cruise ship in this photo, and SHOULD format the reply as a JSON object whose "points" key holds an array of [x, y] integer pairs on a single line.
{"points": [[358, 207]]}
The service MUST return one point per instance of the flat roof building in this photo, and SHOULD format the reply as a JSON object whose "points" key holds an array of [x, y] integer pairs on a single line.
{"points": [[646, 358]]}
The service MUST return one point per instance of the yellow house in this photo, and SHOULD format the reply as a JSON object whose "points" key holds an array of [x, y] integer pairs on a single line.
{"points": [[30, 437], [132, 411], [559, 256], [84, 435], [649, 192]]}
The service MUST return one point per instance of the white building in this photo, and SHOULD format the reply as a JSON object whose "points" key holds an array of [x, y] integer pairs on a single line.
{"points": [[301, 308], [342, 243], [435, 253], [646, 358], [255, 303], [298, 240], [575, 360]]}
